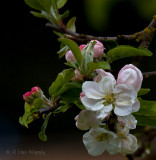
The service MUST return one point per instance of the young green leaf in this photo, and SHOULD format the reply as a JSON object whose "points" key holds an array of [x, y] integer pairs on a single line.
{"points": [[42, 134], [100, 65], [146, 116], [61, 3], [62, 78], [38, 103], [123, 51], [71, 24], [41, 5], [143, 91], [87, 57], [62, 51], [74, 48], [63, 108]]}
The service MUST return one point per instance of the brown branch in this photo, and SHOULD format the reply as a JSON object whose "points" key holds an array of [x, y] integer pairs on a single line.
{"points": [[149, 74], [144, 37]]}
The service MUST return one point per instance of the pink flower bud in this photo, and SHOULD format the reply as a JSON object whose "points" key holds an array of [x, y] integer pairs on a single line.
{"points": [[27, 95], [101, 73], [81, 95], [82, 46], [35, 89], [78, 76], [70, 57], [130, 75], [98, 49]]}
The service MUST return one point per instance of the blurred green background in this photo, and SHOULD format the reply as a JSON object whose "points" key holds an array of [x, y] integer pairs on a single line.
{"points": [[28, 58]]}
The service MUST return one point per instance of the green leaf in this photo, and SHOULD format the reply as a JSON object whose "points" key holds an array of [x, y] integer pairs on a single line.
{"points": [[100, 65], [42, 14], [74, 48], [123, 51], [143, 91], [63, 51], [68, 86], [61, 3], [62, 78], [42, 134], [41, 5], [38, 103], [146, 116], [64, 15], [79, 104], [63, 108], [71, 24]]}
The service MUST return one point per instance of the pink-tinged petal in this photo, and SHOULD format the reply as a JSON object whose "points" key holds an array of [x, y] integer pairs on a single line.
{"points": [[98, 49], [26, 95], [130, 75], [92, 104], [102, 73], [78, 76], [70, 57], [92, 90], [82, 46], [35, 89]]}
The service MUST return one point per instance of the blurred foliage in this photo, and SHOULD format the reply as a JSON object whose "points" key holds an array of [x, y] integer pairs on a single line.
{"points": [[98, 12]]}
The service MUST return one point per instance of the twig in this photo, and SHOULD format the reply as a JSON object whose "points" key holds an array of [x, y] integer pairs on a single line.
{"points": [[149, 74], [144, 37]]}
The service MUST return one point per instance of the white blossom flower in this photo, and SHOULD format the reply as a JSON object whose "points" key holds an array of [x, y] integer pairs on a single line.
{"points": [[97, 140], [129, 121], [86, 120], [106, 95], [128, 144]]}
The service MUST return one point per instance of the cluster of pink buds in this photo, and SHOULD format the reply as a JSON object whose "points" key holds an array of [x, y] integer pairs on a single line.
{"points": [[35, 92], [98, 51]]}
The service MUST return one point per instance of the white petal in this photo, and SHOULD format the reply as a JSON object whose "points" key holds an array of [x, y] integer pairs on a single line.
{"points": [[93, 147], [104, 112], [129, 144], [129, 121], [86, 119], [92, 90], [122, 111], [107, 84], [92, 104], [136, 106], [127, 90], [125, 98]]}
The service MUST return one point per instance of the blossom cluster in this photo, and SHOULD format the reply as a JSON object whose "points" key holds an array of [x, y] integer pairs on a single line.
{"points": [[97, 54], [109, 104]]}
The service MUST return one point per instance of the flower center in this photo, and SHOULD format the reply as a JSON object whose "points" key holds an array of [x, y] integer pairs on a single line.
{"points": [[109, 97], [102, 137]]}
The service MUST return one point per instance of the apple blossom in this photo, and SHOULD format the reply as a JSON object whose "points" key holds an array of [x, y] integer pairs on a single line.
{"points": [[27, 95], [98, 140], [129, 121], [130, 75], [98, 49], [106, 95], [78, 76], [101, 73], [70, 57], [86, 120], [128, 144], [82, 46]]}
